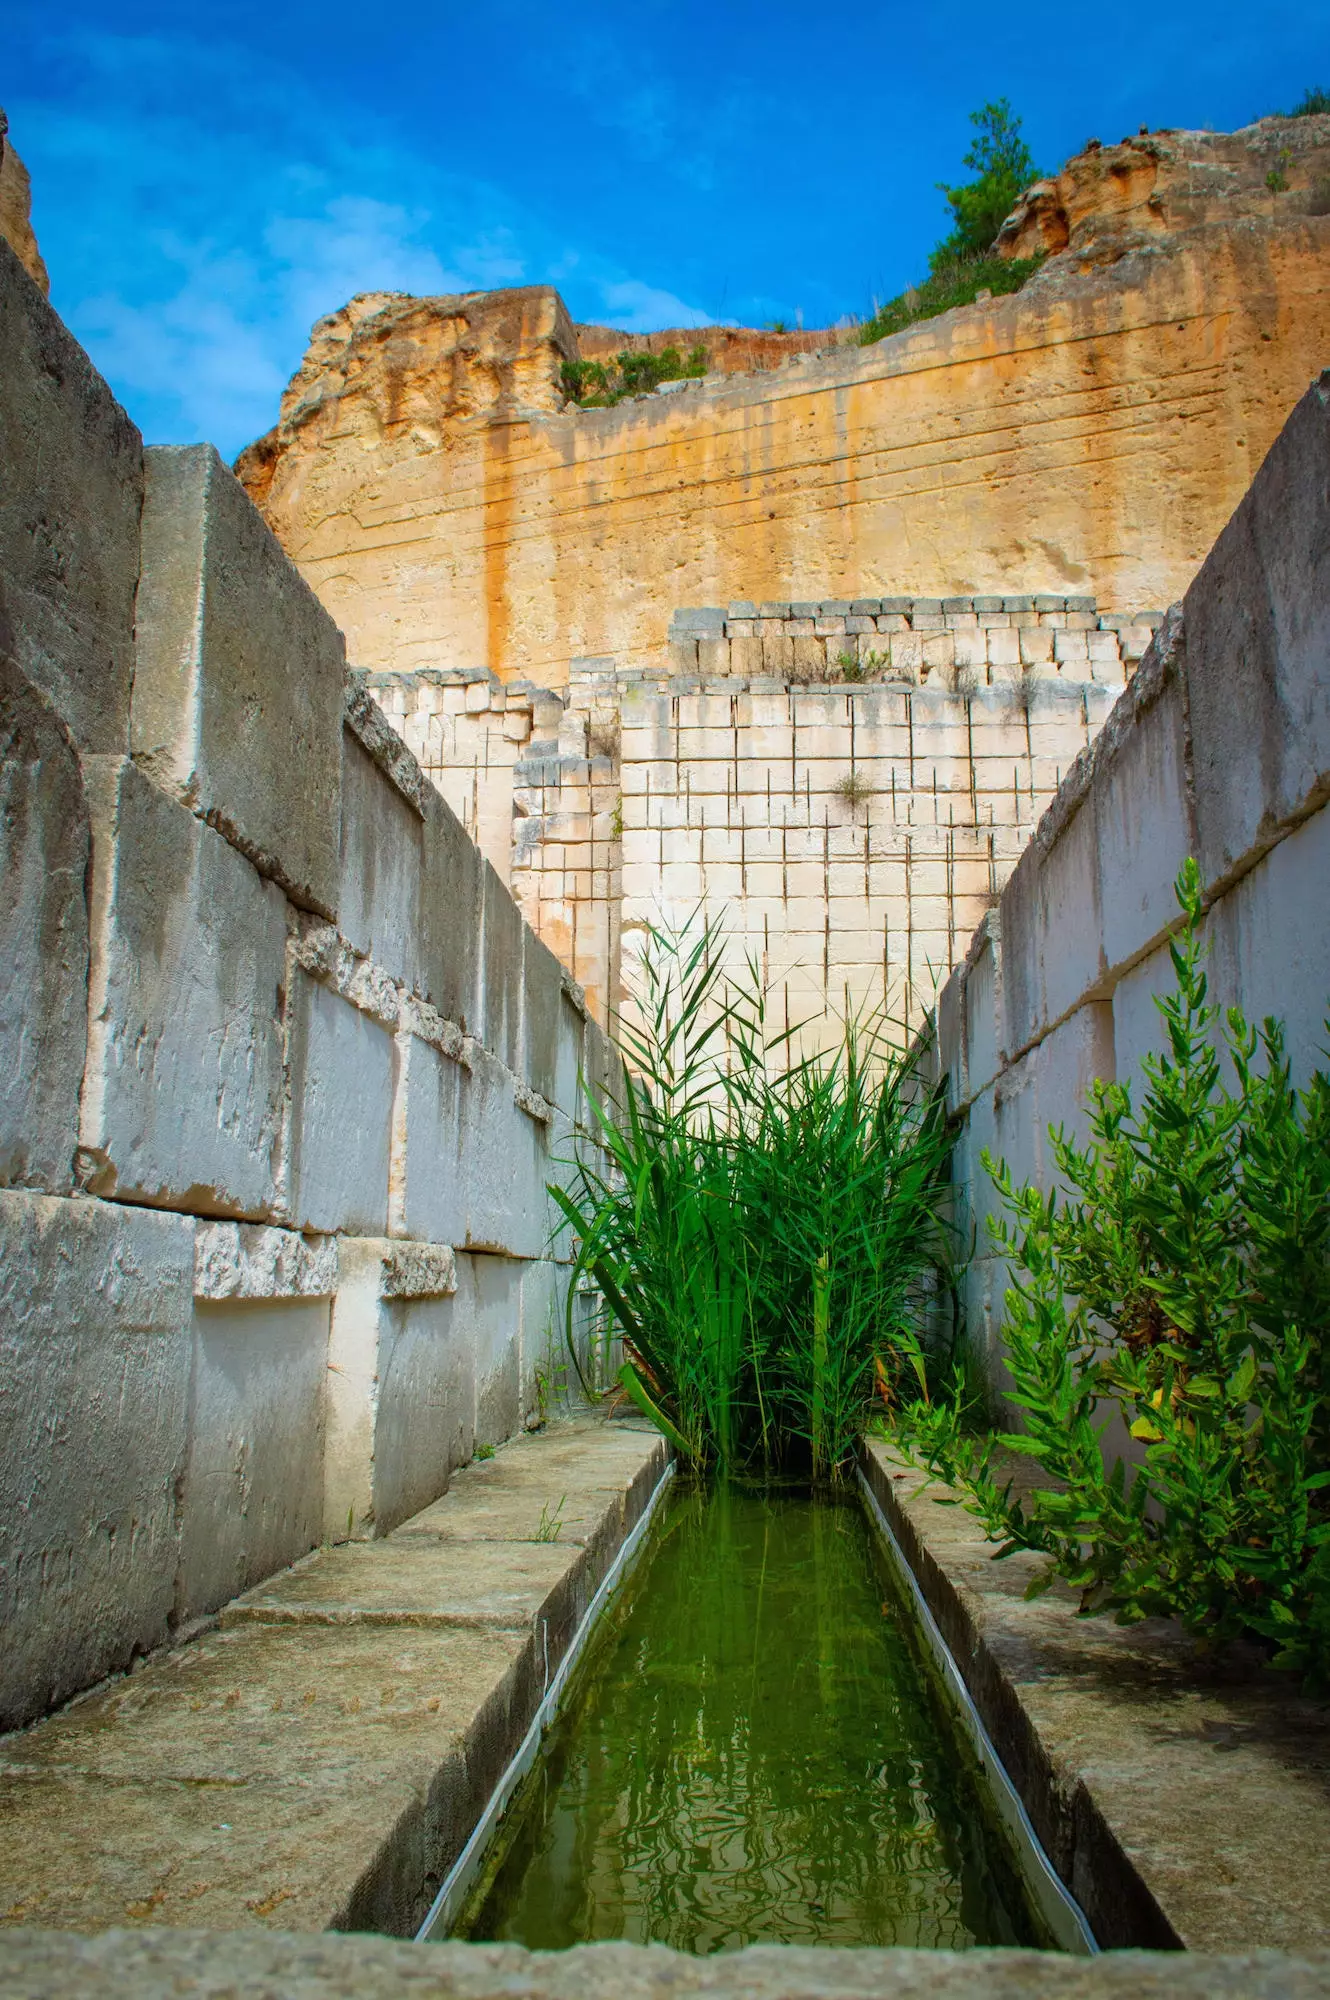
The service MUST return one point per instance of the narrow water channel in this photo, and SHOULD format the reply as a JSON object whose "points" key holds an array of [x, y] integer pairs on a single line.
{"points": [[754, 1752]]}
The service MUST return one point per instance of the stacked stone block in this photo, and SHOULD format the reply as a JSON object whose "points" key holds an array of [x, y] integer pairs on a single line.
{"points": [[283, 1072], [848, 838], [1220, 749], [976, 641]]}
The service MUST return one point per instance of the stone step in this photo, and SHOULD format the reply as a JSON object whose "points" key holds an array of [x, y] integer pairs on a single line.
{"points": [[318, 1760]]}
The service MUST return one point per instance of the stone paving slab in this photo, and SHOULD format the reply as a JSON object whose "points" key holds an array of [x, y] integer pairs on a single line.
{"points": [[320, 1759], [203, 1965], [1184, 1799]]}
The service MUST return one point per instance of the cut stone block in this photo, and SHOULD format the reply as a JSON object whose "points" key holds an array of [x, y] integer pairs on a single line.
{"points": [[504, 1161], [499, 1001], [496, 1339], [427, 1188], [251, 1498], [95, 1305], [542, 1007], [401, 1384], [340, 1071], [1144, 825], [239, 681], [382, 858], [1257, 624], [449, 936], [43, 940], [70, 501], [301, 1776], [182, 1101]]}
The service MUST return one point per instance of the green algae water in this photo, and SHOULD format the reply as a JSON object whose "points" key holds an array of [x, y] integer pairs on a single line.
{"points": [[754, 1753]]}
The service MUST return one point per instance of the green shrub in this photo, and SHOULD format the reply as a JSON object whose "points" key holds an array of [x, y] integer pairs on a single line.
{"points": [[596, 385], [767, 1221], [954, 283], [1313, 105], [1184, 1285]]}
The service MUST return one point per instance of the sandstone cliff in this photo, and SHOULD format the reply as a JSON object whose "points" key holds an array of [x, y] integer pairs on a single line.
{"points": [[16, 211], [1091, 433], [1145, 193]]}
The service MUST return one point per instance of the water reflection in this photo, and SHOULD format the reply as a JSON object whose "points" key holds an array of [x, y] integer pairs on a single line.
{"points": [[754, 1756]]}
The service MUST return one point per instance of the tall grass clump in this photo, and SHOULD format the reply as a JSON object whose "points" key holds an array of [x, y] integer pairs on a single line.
{"points": [[768, 1223]]}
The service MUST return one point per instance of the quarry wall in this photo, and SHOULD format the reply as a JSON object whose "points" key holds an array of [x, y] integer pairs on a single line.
{"points": [[1089, 435], [1220, 748], [283, 1072], [846, 784]]}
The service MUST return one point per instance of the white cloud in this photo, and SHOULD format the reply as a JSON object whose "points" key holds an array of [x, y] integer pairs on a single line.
{"points": [[636, 307], [192, 254]]}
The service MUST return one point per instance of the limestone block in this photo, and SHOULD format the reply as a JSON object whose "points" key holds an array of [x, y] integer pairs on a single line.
{"points": [[239, 677], [713, 656], [426, 1195], [1036, 645], [1071, 648], [1143, 814], [777, 654], [495, 1323], [1257, 625], [570, 1030], [503, 1155], [251, 1497], [542, 1004], [382, 861], [340, 1080], [70, 501], [1268, 958], [182, 1100], [499, 989], [401, 1384], [94, 1383], [746, 655], [1071, 930], [43, 939]]}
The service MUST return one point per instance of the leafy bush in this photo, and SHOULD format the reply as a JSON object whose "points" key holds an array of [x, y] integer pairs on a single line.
{"points": [[1184, 1286], [767, 1221], [597, 385]]}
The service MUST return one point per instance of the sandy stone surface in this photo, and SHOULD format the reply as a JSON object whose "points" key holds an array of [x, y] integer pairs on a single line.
{"points": [[1181, 1798], [320, 1759], [40, 1965]]}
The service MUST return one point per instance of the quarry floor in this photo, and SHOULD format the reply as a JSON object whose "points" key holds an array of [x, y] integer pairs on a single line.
{"points": [[315, 1762]]}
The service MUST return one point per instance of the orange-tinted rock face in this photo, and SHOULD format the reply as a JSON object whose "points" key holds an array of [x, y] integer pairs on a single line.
{"points": [[16, 211], [1112, 199], [1091, 434], [730, 350]]}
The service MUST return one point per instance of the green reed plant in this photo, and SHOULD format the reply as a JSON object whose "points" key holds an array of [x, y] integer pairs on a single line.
{"points": [[1179, 1291], [768, 1220]]}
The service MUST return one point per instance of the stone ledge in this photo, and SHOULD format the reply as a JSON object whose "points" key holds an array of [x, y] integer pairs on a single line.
{"points": [[276, 1965], [320, 1760], [1169, 1791]]}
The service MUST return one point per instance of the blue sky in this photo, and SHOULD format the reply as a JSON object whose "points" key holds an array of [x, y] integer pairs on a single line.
{"points": [[208, 180]]}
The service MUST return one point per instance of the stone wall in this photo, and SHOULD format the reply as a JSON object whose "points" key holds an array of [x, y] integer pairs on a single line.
{"points": [[1219, 748], [723, 778], [283, 1073]]}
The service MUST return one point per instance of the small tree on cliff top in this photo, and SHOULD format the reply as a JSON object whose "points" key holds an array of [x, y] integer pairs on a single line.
{"points": [[1005, 167]]}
